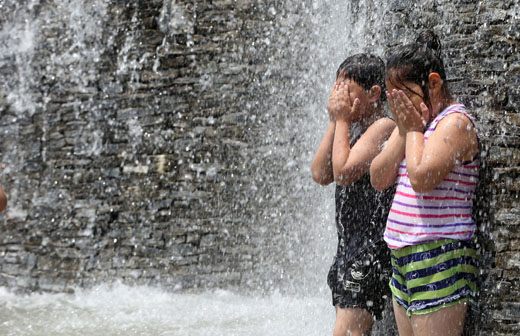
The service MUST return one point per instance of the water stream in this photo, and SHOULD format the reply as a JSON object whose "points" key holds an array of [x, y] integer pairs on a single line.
{"points": [[320, 34]]}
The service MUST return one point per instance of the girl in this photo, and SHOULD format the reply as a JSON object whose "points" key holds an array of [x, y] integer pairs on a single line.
{"points": [[433, 157], [357, 129]]}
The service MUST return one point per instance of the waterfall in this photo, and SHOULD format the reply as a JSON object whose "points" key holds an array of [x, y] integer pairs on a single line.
{"points": [[167, 144], [203, 118]]}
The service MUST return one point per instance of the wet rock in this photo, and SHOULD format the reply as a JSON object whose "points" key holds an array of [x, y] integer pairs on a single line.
{"points": [[170, 128]]}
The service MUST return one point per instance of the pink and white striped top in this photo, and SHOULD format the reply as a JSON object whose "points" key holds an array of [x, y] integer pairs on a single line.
{"points": [[444, 212]]}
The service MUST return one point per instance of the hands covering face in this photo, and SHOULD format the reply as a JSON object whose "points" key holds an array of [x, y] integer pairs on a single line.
{"points": [[405, 114], [341, 106]]}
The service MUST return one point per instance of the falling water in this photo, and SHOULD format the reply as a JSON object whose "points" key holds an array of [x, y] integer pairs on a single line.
{"points": [[280, 289]]}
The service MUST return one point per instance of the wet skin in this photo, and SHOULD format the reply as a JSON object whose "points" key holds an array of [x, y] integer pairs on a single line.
{"points": [[453, 141]]}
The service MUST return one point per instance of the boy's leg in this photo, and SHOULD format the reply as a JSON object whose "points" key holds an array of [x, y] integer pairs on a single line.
{"points": [[404, 325], [447, 321], [352, 322]]}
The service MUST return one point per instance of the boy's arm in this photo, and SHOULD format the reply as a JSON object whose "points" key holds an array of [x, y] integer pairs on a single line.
{"points": [[322, 162], [322, 171], [352, 163], [385, 166]]}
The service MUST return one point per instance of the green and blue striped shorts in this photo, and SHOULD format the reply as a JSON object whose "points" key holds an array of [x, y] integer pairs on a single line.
{"points": [[431, 276]]}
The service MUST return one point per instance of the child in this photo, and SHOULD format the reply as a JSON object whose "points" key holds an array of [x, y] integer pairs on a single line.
{"points": [[356, 133], [433, 156]]}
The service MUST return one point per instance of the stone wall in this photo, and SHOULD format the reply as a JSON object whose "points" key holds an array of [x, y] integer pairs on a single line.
{"points": [[138, 146], [168, 142], [481, 41]]}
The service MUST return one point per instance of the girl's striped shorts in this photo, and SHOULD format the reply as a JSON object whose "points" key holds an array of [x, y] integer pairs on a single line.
{"points": [[434, 275]]}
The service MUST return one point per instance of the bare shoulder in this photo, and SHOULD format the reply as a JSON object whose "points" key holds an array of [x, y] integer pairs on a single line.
{"points": [[382, 126], [457, 131], [457, 122], [378, 132]]}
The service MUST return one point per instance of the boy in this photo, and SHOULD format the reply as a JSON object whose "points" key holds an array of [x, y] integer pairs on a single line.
{"points": [[356, 133]]}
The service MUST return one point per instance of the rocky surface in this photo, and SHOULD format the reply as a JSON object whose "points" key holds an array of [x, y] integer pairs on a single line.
{"points": [[481, 43], [160, 142]]}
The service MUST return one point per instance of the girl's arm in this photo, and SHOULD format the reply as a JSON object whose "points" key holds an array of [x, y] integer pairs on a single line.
{"points": [[453, 141], [322, 162], [352, 163], [385, 166]]}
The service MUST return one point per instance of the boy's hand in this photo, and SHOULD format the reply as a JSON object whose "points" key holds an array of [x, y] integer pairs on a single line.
{"points": [[340, 104]]}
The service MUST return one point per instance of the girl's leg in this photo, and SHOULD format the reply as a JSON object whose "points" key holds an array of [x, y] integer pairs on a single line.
{"points": [[404, 326], [352, 322], [443, 322]]}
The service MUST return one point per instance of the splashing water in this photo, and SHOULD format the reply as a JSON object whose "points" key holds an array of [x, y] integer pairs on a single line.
{"points": [[122, 310], [332, 32]]}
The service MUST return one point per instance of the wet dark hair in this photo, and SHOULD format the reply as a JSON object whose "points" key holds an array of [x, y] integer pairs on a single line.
{"points": [[415, 62], [365, 69]]}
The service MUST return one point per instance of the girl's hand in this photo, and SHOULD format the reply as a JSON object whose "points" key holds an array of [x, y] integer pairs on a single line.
{"points": [[406, 116], [393, 111], [340, 104]]}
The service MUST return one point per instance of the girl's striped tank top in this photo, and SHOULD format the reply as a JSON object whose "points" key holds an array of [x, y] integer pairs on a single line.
{"points": [[443, 212]]}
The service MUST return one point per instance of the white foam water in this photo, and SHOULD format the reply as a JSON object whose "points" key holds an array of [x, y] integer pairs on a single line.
{"points": [[123, 310]]}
